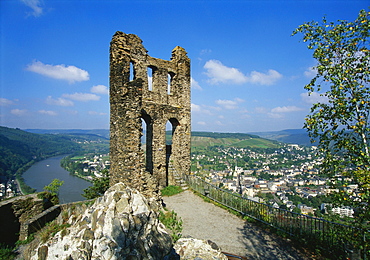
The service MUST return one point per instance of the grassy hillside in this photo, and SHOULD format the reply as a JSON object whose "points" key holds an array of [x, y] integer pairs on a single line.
{"points": [[205, 139]]}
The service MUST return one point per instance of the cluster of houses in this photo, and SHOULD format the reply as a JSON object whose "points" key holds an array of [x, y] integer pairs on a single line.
{"points": [[8, 190], [94, 166], [249, 183]]}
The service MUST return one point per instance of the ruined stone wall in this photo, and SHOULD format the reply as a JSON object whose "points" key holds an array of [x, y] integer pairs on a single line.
{"points": [[163, 97]]}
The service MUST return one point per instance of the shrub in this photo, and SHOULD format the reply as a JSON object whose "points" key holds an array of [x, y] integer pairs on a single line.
{"points": [[172, 222]]}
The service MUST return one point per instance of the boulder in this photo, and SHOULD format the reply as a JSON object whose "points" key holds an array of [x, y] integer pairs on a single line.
{"points": [[122, 224], [191, 248]]}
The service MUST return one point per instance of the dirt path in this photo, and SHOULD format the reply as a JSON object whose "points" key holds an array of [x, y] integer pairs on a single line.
{"points": [[206, 221]]}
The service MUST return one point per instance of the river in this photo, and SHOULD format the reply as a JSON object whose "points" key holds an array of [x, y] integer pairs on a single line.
{"points": [[42, 173]]}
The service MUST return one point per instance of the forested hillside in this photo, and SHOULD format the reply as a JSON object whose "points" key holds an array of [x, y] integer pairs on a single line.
{"points": [[17, 148]]}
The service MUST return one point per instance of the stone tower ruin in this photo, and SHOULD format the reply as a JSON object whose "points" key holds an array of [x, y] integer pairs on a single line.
{"points": [[147, 92]]}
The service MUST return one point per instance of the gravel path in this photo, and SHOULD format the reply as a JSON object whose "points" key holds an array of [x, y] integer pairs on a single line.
{"points": [[206, 221]]}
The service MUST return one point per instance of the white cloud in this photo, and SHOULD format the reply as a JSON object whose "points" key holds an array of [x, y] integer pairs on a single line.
{"points": [[219, 73], [314, 97], [195, 108], [82, 96], [94, 113], [5, 102], [62, 72], [286, 109], [229, 104], [48, 112], [200, 109], [239, 100], [35, 6], [100, 89], [219, 123], [260, 110], [205, 51], [195, 85], [310, 72], [202, 123], [59, 102], [18, 112], [265, 79], [275, 115]]}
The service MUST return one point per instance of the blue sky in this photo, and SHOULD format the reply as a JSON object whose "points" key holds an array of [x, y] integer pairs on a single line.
{"points": [[248, 72]]}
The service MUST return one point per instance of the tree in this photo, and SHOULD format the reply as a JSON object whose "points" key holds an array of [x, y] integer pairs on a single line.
{"points": [[341, 122], [54, 186], [100, 185], [51, 192]]}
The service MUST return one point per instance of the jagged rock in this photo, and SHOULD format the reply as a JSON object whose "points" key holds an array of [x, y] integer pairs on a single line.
{"points": [[122, 224], [191, 248]]}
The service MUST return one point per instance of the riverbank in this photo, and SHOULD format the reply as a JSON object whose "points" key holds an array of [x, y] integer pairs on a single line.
{"points": [[44, 172]]}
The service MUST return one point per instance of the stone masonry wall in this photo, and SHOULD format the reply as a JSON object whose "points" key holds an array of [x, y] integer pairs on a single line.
{"points": [[134, 98]]}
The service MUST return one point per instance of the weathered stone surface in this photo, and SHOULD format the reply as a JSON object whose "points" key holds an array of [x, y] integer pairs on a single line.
{"points": [[191, 248], [14, 214], [135, 95], [122, 224]]}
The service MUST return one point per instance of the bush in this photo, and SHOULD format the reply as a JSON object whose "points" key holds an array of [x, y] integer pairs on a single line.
{"points": [[172, 222], [6, 252]]}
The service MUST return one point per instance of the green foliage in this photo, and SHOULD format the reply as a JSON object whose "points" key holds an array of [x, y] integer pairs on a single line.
{"points": [[24, 187], [51, 229], [6, 253], [172, 222], [29, 239], [100, 185], [341, 124], [171, 190], [48, 198], [54, 186], [51, 191]]}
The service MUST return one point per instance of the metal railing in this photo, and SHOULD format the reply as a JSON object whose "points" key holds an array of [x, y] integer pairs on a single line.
{"points": [[337, 239]]}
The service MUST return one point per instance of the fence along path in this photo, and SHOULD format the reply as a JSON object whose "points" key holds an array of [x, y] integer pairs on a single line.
{"points": [[206, 221]]}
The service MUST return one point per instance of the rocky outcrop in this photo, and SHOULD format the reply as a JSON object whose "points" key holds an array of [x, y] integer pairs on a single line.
{"points": [[191, 248], [122, 224]]}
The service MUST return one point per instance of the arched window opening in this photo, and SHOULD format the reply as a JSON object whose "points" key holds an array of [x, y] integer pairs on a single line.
{"points": [[169, 129], [150, 78], [169, 82], [170, 134], [132, 71], [147, 141]]}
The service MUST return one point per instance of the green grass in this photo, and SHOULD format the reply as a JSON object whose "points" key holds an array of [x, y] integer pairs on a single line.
{"points": [[171, 190]]}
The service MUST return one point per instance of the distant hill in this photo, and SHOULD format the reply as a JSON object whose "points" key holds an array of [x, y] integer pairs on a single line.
{"points": [[290, 136], [99, 132], [204, 139], [18, 147]]}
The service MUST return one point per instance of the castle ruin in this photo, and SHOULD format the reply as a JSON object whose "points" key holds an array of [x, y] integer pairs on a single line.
{"points": [[147, 92]]}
